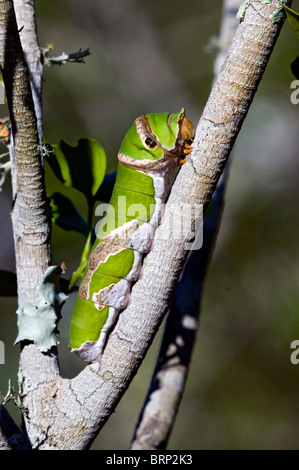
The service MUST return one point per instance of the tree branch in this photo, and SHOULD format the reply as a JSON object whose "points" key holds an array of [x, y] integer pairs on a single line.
{"points": [[25, 15], [168, 381], [31, 217], [4, 445], [30, 214], [9, 431], [64, 57]]}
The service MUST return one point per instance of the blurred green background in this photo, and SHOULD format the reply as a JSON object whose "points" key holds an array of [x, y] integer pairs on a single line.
{"points": [[242, 391]]}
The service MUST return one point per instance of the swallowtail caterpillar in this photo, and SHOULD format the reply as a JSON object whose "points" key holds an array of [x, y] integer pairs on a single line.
{"points": [[152, 148]]}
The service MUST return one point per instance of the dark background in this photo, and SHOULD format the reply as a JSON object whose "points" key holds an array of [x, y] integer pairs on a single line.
{"points": [[242, 391]]}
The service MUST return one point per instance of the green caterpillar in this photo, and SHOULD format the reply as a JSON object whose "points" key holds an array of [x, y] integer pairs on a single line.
{"points": [[154, 145]]}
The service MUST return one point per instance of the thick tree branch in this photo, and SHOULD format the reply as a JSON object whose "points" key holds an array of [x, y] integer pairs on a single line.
{"points": [[30, 214], [21, 65], [64, 57], [25, 15], [167, 384]]}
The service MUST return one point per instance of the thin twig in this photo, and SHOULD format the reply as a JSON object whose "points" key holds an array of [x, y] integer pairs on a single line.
{"points": [[64, 57]]}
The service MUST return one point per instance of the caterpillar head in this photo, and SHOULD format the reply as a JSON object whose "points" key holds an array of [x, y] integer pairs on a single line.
{"points": [[157, 142]]}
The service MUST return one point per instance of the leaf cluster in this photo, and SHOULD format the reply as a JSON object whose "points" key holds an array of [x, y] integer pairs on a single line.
{"points": [[83, 168]]}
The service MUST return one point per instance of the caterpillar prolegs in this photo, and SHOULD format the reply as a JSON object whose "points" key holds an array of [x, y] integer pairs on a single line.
{"points": [[154, 145]]}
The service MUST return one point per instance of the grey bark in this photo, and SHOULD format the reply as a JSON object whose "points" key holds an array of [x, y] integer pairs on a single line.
{"points": [[162, 402], [4, 445], [26, 21], [30, 213]]}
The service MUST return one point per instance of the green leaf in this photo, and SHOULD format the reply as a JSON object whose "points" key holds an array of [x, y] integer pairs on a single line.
{"points": [[295, 67], [81, 167], [8, 284], [76, 276], [293, 18], [65, 215]]}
